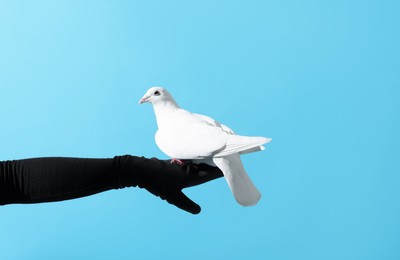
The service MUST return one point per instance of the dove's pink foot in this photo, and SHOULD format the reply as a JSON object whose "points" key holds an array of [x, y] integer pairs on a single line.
{"points": [[177, 161]]}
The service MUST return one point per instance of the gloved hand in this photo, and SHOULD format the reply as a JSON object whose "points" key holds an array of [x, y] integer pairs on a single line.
{"points": [[164, 179]]}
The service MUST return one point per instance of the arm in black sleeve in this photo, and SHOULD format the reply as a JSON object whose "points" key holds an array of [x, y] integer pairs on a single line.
{"points": [[57, 178]]}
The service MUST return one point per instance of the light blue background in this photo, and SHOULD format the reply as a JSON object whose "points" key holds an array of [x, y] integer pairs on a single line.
{"points": [[319, 77]]}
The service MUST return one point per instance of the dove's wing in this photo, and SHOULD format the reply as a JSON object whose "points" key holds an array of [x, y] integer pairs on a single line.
{"points": [[195, 136], [189, 136], [254, 149], [242, 144], [196, 142], [214, 122]]}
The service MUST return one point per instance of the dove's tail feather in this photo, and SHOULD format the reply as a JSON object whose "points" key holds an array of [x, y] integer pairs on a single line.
{"points": [[243, 144], [246, 194]]}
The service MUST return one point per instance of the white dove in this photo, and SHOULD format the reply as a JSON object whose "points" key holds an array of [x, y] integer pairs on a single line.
{"points": [[185, 135]]}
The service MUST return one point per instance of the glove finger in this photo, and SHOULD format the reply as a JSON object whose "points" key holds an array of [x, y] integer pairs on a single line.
{"points": [[203, 173], [180, 200]]}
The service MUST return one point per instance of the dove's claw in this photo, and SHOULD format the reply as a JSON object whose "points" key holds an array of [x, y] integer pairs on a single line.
{"points": [[177, 161]]}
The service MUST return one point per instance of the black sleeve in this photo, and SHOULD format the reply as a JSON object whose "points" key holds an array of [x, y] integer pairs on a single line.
{"points": [[55, 178]]}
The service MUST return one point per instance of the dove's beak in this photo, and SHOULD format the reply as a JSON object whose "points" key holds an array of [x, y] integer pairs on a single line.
{"points": [[143, 100]]}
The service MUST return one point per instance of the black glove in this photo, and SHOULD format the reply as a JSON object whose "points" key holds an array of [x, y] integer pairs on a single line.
{"points": [[164, 179]]}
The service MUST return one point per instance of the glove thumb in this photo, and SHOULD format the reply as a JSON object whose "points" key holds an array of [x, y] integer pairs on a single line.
{"points": [[180, 200]]}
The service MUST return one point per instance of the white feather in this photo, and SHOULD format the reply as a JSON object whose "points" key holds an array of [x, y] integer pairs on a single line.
{"points": [[243, 189]]}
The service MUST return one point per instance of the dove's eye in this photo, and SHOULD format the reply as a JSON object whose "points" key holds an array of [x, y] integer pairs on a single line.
{"points": [[157, 93]]}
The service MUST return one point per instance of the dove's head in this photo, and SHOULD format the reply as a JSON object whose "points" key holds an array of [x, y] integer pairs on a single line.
{"points": [[157, 95]]}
